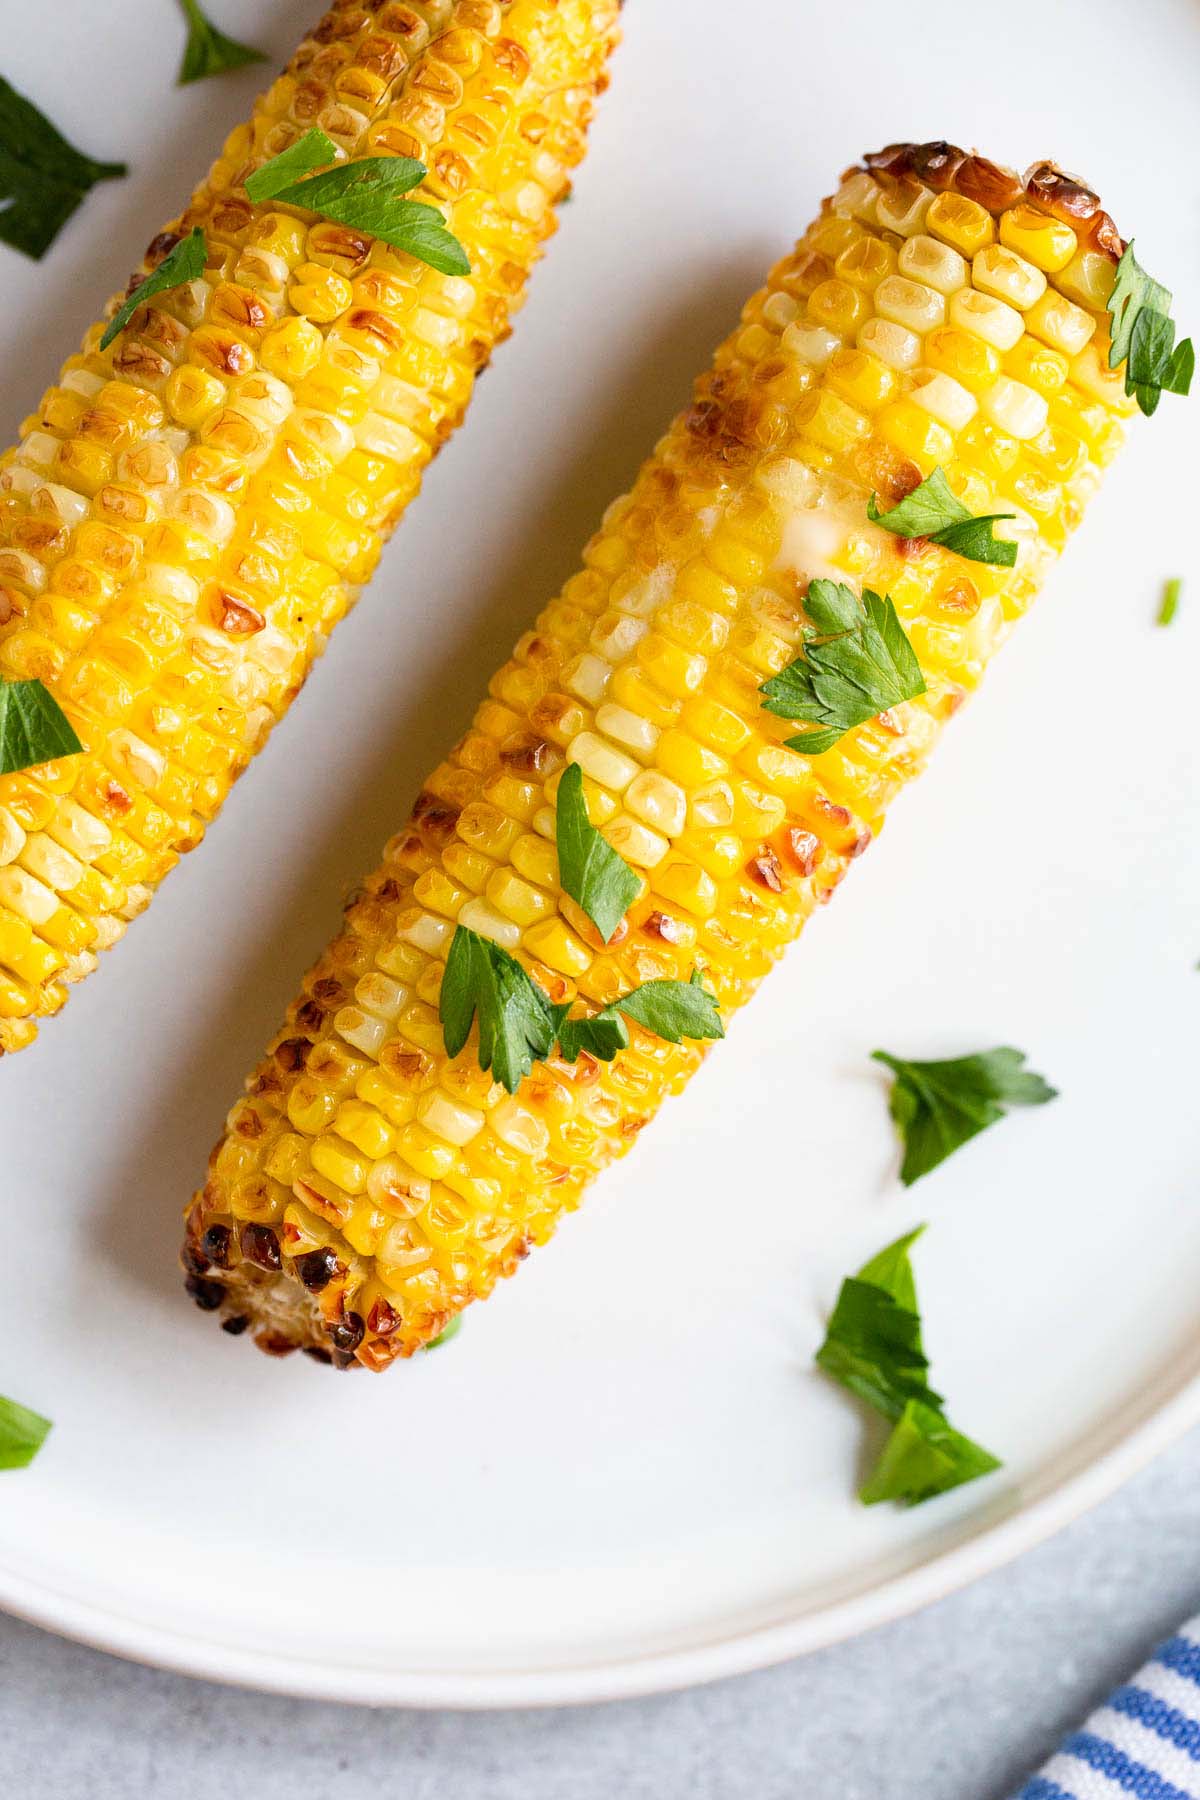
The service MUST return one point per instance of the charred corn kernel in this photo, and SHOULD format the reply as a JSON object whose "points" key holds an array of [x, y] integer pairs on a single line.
{"points": [[1048, 243], [991, 319], [963, 224], [193, 508], [923, 259], [1007, 277], [1059, 323], [424, 1179]]}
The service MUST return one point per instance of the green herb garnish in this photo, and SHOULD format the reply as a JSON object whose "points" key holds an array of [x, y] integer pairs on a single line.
{"points": [[935, 512], [1143, 337], [208, 51], [22, 1434], [1170, 600], [857, 662], [519, 1025], [589, 868], [873, 1347], [368, 195], [447, 1332], [42, 177], [33, 727], [184, 263], [939, 1106]]}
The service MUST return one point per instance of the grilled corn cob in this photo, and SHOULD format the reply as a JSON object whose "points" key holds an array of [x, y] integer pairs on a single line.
{"points": [[190, 511], [940, 312]]}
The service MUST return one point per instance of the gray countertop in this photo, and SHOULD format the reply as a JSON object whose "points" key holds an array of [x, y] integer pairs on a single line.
{"points": [[957, 1703]]}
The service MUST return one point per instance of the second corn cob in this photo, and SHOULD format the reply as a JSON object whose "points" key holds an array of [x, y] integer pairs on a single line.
{"points": [[939, 313], [191, 510]]}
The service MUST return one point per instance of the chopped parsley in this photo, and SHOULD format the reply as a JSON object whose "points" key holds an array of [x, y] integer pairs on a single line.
{"points": [[857, 662], [873, 1347], [22, 1434], [590, 870], [935, 512], [33, 727], [1170, 601], [184, 263], [42, 177], [1143, 337], [208, 51], [939, 1106], [368, 195], [519, 1025]]}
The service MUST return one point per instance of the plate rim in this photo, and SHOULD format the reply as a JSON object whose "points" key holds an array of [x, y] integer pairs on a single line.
{"points": [[1171, 1408]]}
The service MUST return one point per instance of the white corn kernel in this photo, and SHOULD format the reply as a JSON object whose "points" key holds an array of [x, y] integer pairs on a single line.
{"points": [[448, 1118], [70, 506], [1090, 371], [780, 310], [627, 728], [989, 318], [636, 842], [909, 303], [1002, 272], [51, 863], [811, 343], [924, 259], [587, 677], [943, 398], [478, 916], [1061, 324], [1015, 408], [893, 344], [387, 437], [12, 837], [657, 800], [30, 899], [427, 933], [517, 1127], [380, 995], [362, 1029], [393, 1186], [601, 762], [545, 823], [615, 635], [904, 210], [788, 480], [712, 806], [858, 196], [81, 381], [76, 830], [39, 449], [642, 595]]}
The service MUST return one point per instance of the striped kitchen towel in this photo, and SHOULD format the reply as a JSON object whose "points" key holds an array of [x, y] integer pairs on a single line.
{"points": [[1143, 1743]]}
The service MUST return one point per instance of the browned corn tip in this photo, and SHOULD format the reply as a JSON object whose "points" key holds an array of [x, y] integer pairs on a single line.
{"points": [[942, 166]]}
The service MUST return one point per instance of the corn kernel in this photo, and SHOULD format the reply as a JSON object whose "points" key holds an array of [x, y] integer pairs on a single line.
{"points": [[989, 318], [904, 210], [692, 889], [865, 263], [362, 1127], [1007, 276], [337, 1161], [943, 398], [448, 1118], [909, 303], [861, 378], [1049, 244], [838, 307], [638, 843], [912, 431], [830, 421], [658, 801], [894, 344], [628, 729], [479, 916], [553, 944], [1065, 327], [1015, 408], [924, 259], [813, 344], [960, 222], [518, 900]]}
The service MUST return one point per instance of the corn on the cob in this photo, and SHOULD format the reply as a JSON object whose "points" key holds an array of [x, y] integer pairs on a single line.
{"points": [[190, 511], [939, 312]]}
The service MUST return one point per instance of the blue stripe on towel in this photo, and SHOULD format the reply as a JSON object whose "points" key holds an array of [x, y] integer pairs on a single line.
{"points": [[1165, 1721], [1134, 1777], [1182, 1656]]}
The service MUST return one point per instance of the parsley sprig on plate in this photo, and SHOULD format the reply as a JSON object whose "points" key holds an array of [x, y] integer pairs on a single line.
{"points": [[857, 662], [42, 177], [519, 1024], [873, 1346], [186, 262], [22, 1434], [33, 727], [208, 51], [939, 1106], [935, 512], [1143, 337]]}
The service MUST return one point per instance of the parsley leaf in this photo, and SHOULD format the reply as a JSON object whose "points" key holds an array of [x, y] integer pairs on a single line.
{"points": [[516, 1020], [33, 727], [208, 51], [519, 1025], [935, 512], [367, 195], [1170, 600], [42, 177], [939, 1106], [1143, 337], [589, 868], [184, 263], [22, 1434], [312, 151], [924, 1457], [443, 1337], [873, 1347], [857, 662]]}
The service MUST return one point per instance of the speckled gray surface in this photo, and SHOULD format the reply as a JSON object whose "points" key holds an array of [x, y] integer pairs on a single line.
{"points": [[954, 1704]]}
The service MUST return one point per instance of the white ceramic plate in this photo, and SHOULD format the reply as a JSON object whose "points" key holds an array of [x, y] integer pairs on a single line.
{"points": [[624, 1474]]}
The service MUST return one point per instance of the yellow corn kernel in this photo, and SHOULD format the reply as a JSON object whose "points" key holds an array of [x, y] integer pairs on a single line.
{"points": [[518, 900], [865, 263], [966, 358], [943, 398], [861, 378], [336, 1160], [1008, 277], [677, 671], [910, 303], [1059, 323], [691, 888], [904, 210], [924, 259], [831, 421], [362, 1127], [962, 223], [717, 726], [1049, 244], [1088, 279], [1037, 366], [838, 306], [553, 944], [914, 433]]}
